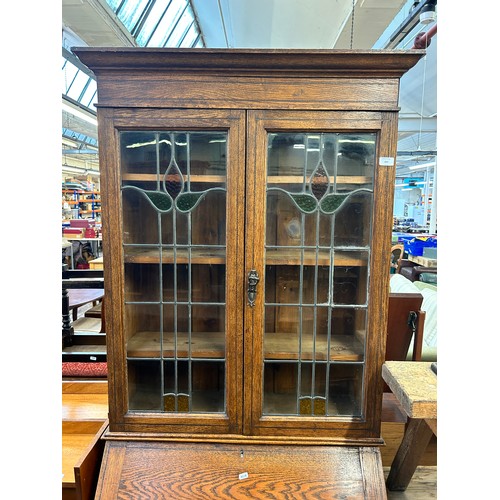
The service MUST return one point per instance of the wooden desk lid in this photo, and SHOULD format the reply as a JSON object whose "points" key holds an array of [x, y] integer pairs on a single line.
{"points": [[142, 469]]}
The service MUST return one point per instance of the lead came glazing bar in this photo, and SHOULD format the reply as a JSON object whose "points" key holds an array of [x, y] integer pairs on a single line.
{"points": [[161, 388], [189, 284]]}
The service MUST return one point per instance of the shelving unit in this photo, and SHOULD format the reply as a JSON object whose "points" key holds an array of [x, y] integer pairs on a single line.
{"points": [[82, 207]]}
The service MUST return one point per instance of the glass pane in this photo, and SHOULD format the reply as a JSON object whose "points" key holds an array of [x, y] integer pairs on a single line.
{"points": [[144, 389], [174, 225], [348, 327], [280, 389], [350, 278], [130, 12], [194, 283], [77, 85], [346, 390], [180, 29], [165, 34], [90, 94], [154, 17], [68, 74], [312, 389], [190, 37], [141, 281], [317, 252]]}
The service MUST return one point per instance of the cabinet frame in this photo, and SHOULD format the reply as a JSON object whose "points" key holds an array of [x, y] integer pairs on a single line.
{"points": [[113, 122], [136, 88], [259, 124]]}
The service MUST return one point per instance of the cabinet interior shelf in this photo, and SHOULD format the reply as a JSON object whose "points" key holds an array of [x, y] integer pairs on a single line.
{"points": [[274, 179], [277, 346], [282, 256]]}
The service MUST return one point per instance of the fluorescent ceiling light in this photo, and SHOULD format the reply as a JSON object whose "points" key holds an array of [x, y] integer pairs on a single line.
{"points": [[74, 170], [360, 141], [423, 165], [81, 171]]}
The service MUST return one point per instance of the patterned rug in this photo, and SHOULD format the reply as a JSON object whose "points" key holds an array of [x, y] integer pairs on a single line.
{"points": [[81, 369]]}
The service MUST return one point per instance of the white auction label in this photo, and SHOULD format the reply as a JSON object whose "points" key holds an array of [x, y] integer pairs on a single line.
{"points": [[386, 161], [243, 475]]}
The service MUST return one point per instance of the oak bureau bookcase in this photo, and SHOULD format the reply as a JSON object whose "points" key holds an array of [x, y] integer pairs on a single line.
{"points": [[247, 201]]}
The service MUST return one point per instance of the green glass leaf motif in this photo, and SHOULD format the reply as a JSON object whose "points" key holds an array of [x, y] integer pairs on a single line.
{"points": [[306, 202], [187, 201], [331, 202], [161, 201]]}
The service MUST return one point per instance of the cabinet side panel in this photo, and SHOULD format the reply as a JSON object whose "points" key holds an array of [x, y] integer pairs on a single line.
{"points": [[379, 276], [113, 261]]}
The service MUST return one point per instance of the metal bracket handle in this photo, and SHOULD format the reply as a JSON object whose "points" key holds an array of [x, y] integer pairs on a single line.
{"points": [[412, 321], [253, 279]]}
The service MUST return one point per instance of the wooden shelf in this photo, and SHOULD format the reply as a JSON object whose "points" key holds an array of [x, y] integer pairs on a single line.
{"points": [[292, 257], [203, 345], [152, 256], [299, 179], [274, 179], [211, 345], [210, 179], [79, 191], [282, 256], [285, 346]]}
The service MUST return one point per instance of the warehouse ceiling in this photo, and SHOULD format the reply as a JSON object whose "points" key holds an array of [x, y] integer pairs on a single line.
{"points": [[322, 24]]}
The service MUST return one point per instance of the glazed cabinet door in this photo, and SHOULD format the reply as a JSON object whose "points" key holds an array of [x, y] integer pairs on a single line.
{"points": [[174, 215], [313, 339]]}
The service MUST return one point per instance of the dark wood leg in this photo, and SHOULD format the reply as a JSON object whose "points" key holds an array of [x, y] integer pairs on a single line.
{"points": [[67, 328], [415, 441], [103, 318]]}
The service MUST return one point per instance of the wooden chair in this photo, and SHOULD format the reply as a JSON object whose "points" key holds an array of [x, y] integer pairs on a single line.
{"points": [[397, 252], [405, 321]]}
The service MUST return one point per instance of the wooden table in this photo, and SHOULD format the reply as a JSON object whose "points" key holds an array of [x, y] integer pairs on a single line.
{"points": [[415, 386], [80, 296], [423, 261]]}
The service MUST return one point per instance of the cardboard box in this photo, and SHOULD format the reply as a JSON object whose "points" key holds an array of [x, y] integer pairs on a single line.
{"points": [[79, 223], [72, 233]]}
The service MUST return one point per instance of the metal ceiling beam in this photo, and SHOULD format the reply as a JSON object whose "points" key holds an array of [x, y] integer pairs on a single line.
{"points": [[95, 23], [416, 124], [406, 27]]}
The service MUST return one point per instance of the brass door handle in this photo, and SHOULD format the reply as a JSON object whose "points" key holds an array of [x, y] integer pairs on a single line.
{"points": [[253, 279]]}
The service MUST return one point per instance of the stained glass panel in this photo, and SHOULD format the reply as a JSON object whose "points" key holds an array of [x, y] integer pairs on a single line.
{"points": [[174, 226], [318, 232]]}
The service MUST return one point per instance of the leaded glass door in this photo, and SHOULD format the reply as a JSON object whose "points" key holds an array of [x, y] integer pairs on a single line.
{"points": [[314, 207], [179, 185]]}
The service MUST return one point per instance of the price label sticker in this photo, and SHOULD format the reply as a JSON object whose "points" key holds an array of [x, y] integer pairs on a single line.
{"points": [[243, 475], [386, 161]]}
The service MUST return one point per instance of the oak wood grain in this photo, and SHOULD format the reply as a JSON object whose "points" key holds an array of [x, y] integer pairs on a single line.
{"points": [[196, 471]]}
